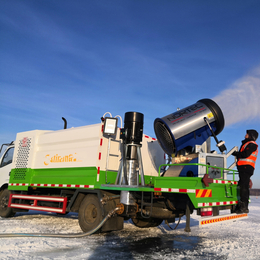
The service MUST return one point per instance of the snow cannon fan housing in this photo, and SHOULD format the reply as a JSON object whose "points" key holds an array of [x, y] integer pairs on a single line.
{"points": [[187, 127]]}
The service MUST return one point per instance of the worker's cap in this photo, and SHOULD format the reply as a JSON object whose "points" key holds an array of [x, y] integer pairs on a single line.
{"points": [[252, 133]]}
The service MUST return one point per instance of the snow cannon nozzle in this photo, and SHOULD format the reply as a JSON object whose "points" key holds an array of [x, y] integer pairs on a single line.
{"points": [[187, 127]]}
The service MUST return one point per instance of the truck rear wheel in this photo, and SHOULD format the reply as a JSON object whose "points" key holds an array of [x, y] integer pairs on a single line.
{"points": [[5, 211], [146, 222], [90, 213]]}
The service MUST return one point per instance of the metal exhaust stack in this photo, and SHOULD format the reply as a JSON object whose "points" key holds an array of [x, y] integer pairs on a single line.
{"points": [[190, 126], [131, 166]]}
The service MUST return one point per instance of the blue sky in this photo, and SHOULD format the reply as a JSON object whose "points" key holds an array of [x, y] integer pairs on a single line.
{"points": [[80, 59]]}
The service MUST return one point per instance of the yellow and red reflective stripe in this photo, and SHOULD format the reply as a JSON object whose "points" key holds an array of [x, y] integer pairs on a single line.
{"points": [[203, 193], [221, 219]]}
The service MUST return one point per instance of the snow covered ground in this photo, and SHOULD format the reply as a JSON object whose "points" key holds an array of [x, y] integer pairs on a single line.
{"points": [[230, 240]]}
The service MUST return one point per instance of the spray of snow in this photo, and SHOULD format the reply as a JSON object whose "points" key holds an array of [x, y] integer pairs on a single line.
{"points": [[241, 102]]}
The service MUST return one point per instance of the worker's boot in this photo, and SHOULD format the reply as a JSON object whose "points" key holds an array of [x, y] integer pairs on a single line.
{"points": [[246, 210], [237, 208], [241, 208]]}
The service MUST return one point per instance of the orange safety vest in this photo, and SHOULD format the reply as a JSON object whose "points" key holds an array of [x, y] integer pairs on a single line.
{"points": [[249, 160]]}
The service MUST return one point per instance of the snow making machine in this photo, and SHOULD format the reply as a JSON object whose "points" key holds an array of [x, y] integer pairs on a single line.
{"points": [[102, 170]]}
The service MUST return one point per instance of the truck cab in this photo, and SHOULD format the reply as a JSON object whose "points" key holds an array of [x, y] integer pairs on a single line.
{"points": [[5, 169]]}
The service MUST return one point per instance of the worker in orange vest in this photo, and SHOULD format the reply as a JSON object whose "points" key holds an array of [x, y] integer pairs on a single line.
{"points": [[246, 159]]}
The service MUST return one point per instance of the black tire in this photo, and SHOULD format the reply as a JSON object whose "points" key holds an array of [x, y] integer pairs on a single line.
{"points": [[90, 213], [146, 222], [5, 212]]}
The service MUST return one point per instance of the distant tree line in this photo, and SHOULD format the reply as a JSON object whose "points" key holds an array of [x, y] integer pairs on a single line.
{"points": [[255, 192]]}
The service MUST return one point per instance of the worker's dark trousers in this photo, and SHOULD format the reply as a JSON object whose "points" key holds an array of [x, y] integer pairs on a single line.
{"points": [[244, 178]]}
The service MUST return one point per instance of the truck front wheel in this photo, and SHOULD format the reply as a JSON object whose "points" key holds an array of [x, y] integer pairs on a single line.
{"points": [[5, 212], [90, 213]]}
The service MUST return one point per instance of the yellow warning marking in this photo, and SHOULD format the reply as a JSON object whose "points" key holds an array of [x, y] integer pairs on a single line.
{"points": [[210, 115], [202, 193], [208, 193], [220, 219], [198, 195]]}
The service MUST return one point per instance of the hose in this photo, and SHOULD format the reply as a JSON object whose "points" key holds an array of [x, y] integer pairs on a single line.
{"points": [[109, 215], [175, 226]]}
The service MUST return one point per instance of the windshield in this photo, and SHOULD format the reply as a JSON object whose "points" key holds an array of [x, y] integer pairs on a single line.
{"points": [[8, 157]]}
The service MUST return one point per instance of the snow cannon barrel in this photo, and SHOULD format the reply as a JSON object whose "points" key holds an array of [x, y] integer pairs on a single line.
{"points": [[188, 127]]}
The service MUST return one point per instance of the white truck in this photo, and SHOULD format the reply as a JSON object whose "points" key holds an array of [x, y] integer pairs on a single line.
{"points": [[5, 170], [102, 170]]}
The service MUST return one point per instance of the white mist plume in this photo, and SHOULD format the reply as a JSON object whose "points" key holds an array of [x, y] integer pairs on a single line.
{"points": [[241, 102]]}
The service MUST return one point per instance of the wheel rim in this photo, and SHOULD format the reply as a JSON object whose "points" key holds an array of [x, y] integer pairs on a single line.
{"points": [[91, 213], [4, 202]]}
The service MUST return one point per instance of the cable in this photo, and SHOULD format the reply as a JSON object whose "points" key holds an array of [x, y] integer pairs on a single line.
{"points": [[107, 113], [109, 215], [175, 226], [120, 119]]}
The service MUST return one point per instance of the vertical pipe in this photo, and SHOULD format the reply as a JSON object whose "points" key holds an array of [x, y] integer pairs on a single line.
{"points": [[140, 165]]}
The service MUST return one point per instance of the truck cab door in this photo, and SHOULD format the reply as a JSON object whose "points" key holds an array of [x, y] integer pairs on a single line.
{"points": [[6, 165]]}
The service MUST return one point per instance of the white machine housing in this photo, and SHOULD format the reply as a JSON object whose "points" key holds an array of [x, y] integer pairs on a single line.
{"points": [[85, 146]]}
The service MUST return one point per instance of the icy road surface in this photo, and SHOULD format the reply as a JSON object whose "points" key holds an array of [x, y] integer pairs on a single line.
{"points": [[231, 240]]}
